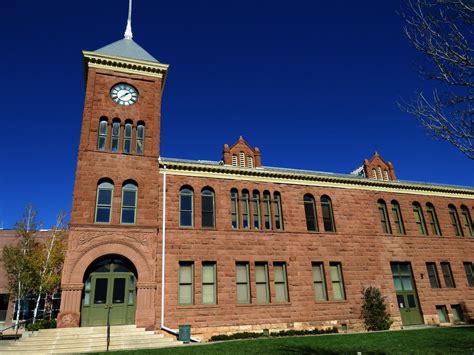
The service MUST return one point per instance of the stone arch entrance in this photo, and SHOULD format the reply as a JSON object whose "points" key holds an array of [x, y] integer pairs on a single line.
{"points": [[109, 292]]}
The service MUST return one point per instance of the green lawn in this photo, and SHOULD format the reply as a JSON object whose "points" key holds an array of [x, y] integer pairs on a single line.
{"points": [[424, 341]]}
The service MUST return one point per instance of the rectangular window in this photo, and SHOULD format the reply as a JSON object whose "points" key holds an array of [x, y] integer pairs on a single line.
{"points": [[458, 314], [245, 210], [442, 314], [242, 277], [469, 273], [337, 281], [278, 215], [209, 289], [261, 280], [4, 298], [433, 275], [447, 275], [186, 283], [256, 209], [234, 205], [281, 286], [319, 281]]}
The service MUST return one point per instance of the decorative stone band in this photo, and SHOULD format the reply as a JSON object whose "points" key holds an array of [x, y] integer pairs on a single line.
{"points": [[147, 285], [72, 287], [125, 65], [308, 178]]}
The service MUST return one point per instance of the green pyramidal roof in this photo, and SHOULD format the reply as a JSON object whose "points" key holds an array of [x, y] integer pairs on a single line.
{"points": [[127, 48]]}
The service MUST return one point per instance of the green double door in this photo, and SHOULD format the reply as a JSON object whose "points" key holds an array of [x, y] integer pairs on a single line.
{"points": [[407, 298], [106, 292]]}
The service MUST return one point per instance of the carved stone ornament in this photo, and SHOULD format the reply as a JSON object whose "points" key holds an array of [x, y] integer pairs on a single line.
{"points": [[68, 320]]}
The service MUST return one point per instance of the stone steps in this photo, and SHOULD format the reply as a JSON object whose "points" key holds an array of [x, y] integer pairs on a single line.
{"points": [[86, 339]]}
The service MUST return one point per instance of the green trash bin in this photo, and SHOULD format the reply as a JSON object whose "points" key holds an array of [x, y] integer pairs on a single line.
{"points": [[184, 333]]}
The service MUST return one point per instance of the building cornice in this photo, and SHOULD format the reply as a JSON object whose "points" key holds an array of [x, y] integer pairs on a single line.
{"points": [[125, 65], [295, 177]]}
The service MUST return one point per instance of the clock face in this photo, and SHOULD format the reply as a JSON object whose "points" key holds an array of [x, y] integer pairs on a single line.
{"points": [[124, 94]]}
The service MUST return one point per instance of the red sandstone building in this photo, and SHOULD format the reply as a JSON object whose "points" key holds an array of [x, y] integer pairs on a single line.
{"points": [[233, 245]]}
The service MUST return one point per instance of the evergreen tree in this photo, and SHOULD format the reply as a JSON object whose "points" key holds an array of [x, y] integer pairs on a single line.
{"points": [[374, 311]]}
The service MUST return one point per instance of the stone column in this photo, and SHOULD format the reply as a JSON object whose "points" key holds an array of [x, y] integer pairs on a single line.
{"points": [[70, 312], [145, 312]]}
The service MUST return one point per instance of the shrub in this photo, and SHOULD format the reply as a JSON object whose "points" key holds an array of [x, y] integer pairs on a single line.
{"points": [[374, 311], [41, 324], [282, 333]]}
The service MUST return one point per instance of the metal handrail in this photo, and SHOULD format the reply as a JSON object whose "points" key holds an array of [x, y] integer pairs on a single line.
{"points": [[24, 321]]}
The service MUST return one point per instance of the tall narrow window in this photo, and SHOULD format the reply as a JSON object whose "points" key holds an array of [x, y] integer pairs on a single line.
{"points": [[281, 286], [245, 209], [186, 207], [243, 282], [398, 219], [261, 280], [385, 175], [453, 213], [103, 208], [337, 281], [129, 203], [328, 216], [186, 283], [384, 220], [379, 173], [102, 134], [242, 159], [310, 213], [447, 275], [114, 142], [433, 275], [250, 161], [209, 289], [277, 211], [419, 220], [256, 209], [374, 174], [267, 219], [433, 219], [467, 220], [127, 137], [140, 138], [469, 273], [207, 208], [319, 281], [234, 160], [234, 204]]}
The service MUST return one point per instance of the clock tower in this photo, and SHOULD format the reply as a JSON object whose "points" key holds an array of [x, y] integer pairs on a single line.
{"points": [[111, 260]]}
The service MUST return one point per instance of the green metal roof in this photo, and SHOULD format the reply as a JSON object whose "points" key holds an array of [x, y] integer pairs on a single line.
{"points": [[127, 48]]}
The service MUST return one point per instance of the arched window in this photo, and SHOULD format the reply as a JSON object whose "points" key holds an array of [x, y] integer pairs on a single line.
{"points": [[129, 202], [114, 142], [384, 220], [102, 140], [234, 206], [245, 209], [256, 209], [455, 221], [127, 137], [385, 175], [234, 160], [267, 217], [379, 173], [207, 208], [310, 213], [140, 138], [419, 219], [467, 220], [186, 207], [433, 219], [242, 159], [328, 216], [398, 219], [103, 208], [250, 161], [277, 211], [374, 174]]}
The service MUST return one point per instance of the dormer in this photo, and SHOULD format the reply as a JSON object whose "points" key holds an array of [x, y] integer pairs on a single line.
{"points": [[241, 155], [378, 169]]}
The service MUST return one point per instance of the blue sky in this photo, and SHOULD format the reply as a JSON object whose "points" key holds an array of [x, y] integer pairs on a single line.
{"points": [[314, 85]]}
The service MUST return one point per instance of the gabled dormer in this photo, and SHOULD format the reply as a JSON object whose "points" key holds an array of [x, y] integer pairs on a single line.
{"points": [[378, 169], [242, 155]]}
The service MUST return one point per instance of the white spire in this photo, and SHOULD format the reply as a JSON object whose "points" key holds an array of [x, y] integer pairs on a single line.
{"points": [[128, 31]]}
